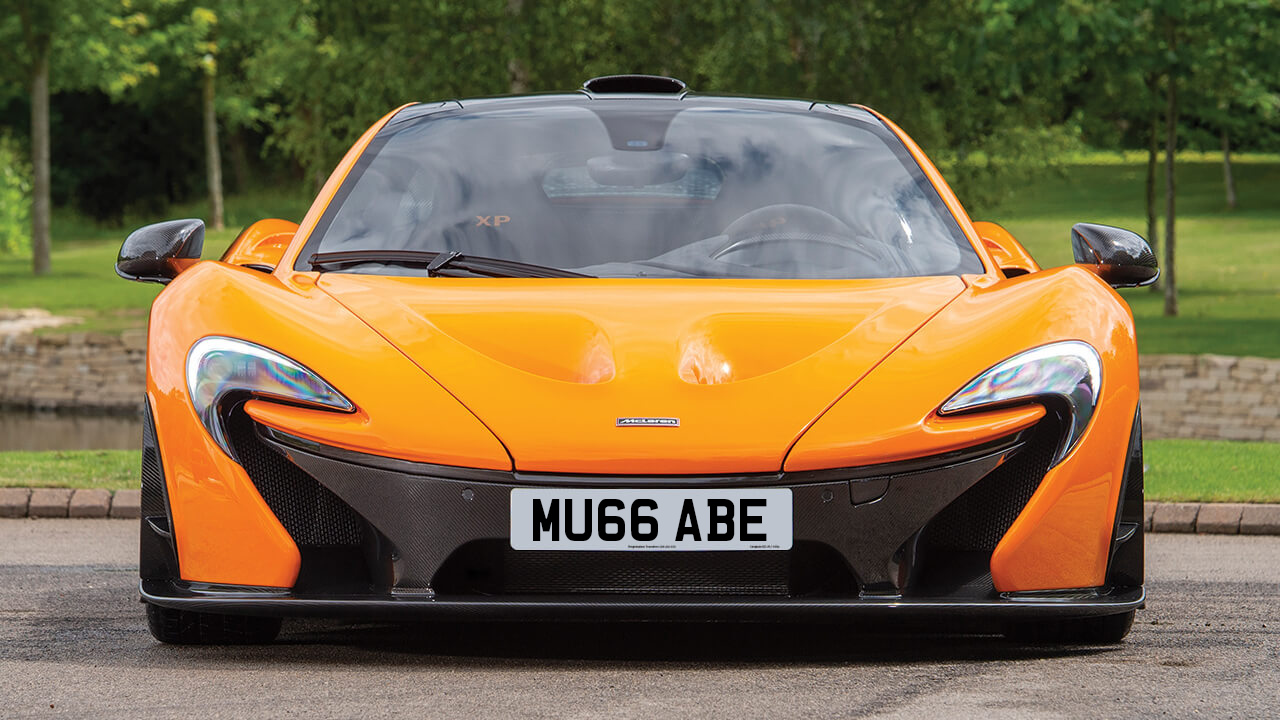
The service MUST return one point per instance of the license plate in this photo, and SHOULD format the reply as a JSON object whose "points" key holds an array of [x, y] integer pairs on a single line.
{"points": [[667, 519]]}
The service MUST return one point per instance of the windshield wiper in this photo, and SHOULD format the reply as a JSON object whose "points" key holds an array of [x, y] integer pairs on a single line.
{"points": [[441, 263]]}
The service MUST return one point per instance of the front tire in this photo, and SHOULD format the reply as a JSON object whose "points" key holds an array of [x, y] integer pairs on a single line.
{"points": [[1102, 630], [186, 627]]}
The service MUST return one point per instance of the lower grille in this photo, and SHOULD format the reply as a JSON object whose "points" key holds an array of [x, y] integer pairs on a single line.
{"points": [[312, 514], [978, 519], [675, 573], [492, 567]]}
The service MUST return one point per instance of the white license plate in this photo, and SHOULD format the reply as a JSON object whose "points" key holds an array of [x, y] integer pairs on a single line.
{"points": [[667, 519]]}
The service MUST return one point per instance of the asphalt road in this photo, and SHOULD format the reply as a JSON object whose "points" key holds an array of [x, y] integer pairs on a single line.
{"points": [[73, 642]]}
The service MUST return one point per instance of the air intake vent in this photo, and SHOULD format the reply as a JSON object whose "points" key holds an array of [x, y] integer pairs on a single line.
{"points": [[152, 501], [977, 520], [634, 84], [310, 512]]}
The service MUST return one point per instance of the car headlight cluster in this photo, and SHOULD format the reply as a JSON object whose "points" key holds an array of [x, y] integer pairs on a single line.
{"points": [[220, 366], [1068, 374]]}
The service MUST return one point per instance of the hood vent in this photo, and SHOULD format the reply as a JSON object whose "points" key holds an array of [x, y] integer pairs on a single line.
{"points": [[634, 85]]}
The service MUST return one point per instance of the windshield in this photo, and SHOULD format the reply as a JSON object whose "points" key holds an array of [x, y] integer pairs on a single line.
{"points": [[645, 188]]}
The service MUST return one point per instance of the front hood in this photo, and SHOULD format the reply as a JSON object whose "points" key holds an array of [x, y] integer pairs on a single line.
{"points": [[551, 366]]}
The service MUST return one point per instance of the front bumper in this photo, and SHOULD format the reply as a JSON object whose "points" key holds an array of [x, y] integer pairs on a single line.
{"points": [[185, 596], [427, 514], [390, 538]]}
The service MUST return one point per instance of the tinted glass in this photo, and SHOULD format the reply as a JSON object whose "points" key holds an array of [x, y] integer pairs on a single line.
{"points": [[621, 188]]}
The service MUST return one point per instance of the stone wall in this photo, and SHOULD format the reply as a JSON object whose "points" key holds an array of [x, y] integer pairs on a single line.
{"points": [[1189, 396], [1214, 397], [81, 372]]}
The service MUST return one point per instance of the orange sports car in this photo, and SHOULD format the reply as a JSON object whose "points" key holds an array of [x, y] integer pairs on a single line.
{"points": [[636, 353]]}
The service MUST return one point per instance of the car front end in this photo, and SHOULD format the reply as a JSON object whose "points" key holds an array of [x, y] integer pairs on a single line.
{"points": [[621, 371]]}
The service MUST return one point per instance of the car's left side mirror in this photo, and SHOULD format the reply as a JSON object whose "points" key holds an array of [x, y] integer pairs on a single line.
{"points": [[157, 253], [1122, 258]]}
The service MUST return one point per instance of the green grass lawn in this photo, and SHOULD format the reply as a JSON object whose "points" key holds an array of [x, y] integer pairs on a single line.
{"points": [[1177, 470], [107, 469], [1228, 266], [83, 282], [1212, 471], [1228, 261]]}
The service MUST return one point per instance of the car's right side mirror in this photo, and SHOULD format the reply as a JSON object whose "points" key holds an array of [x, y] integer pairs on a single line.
{"points": [[157, 253], [1122, 258]]}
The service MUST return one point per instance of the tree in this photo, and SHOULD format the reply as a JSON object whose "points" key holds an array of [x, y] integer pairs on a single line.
{"points": [[1170, 152], [205, 44], [65, 44], [373, 56], [998, 60], [185, 40], [1221, 51], [1233, 87]]}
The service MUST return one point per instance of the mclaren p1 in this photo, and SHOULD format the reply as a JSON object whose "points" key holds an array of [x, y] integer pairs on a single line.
{"points": [[635, 353]]}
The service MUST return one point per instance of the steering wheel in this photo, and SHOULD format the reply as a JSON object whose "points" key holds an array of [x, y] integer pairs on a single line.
{"points": [[796, 224]]}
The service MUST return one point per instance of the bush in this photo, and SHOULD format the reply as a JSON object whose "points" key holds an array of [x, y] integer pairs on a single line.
{"points": [[15, 199]]}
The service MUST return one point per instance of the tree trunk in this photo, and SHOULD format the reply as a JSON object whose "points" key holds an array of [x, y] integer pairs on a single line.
{"points": [[213, 158], [517, 71], [1153, 162], [40, 203], [1226, 171], [239, 160], [1170, 150]]}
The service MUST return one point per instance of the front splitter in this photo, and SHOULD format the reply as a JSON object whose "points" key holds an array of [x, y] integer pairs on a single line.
{"points": [[625, 607]]}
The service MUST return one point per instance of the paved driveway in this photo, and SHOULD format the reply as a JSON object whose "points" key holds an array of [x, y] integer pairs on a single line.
{"points": [[72, 641]]}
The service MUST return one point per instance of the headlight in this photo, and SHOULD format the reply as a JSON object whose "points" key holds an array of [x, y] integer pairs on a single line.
{"points": [[1067, 374], [219, 366]]}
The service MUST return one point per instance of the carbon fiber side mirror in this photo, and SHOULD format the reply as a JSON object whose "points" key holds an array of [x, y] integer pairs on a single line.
{"points": [[157, 253], [1122, 258]]}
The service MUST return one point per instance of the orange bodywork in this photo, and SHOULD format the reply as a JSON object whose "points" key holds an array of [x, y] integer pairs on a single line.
{"points": [[745, 365], [262, 243], [529, 375], [1005, 250]]}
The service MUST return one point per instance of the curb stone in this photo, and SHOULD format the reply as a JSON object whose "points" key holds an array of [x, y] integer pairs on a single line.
{"points": [[1260, 520], [13, 502], [89, 503], [1175, 517], [1219, 518], [1202, 518], [49, 502], [126, 504]]}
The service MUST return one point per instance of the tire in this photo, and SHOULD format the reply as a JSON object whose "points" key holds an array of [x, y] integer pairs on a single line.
{"points": [[1102, 630], [185, 627]]}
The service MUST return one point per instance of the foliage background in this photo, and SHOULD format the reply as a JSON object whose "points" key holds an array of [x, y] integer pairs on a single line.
{"points": [[996, 90], [15, 188]]}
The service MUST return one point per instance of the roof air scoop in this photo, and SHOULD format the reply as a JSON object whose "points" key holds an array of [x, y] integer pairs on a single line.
{"points": [[634, 85]]}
